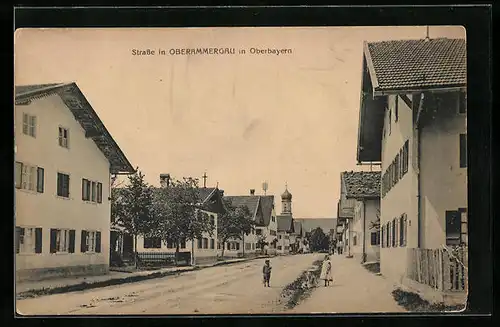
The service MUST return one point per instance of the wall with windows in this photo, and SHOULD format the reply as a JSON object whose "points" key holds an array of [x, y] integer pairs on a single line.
{"points": [[283, 244], [398, 185], [444, 171], [57, 212], [365, 213], [205, 247]]}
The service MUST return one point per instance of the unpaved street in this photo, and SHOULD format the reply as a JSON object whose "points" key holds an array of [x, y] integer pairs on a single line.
{"points": [[235, 288]]}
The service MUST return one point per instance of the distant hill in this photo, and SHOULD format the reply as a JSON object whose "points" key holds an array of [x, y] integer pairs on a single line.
{"points": [[309, 224]]}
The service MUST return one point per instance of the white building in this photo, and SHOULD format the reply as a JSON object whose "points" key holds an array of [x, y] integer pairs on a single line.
{"points": [[364, 188], [64, 157], [413, 121], [261, 208], [198, 251]]}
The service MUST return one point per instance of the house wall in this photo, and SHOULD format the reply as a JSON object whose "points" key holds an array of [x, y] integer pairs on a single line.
{"points": [[283, 245], [402, 198], [273, 226], [201, 255], [365, 213], [443, 182], [46, 210]]}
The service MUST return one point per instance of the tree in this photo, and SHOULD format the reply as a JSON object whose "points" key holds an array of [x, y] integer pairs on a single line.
{"points": [[318, 240], [233, 223], [177, 214], [131, 207]]}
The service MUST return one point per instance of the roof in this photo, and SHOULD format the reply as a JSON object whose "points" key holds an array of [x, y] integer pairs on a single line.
{"points": [[417, 64], [267, 204], [249, 201], [286, 195], [285, 223], [309, 224], [404, 67], [361, 184], [83, 112]]}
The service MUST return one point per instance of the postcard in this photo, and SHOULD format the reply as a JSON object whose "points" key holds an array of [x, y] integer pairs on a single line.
{"points": [[240, 170]]}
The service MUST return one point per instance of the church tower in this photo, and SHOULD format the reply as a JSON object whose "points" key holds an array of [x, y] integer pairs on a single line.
{"points": [[286, 202]]}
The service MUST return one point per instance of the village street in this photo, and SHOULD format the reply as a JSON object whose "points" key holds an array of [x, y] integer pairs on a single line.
{"points": [[235, 288]]}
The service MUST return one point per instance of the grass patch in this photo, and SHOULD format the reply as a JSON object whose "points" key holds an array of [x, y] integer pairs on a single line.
{"points": [[298, 290], [373, 267], [414, 303]]}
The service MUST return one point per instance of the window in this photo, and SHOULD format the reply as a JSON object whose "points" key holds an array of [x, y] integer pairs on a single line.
{"points": [[63, 185], [462, 103], [273, 218], [393, 233], [453, 227], [387, 232], [212, 243], [62, 240], [375, 238], [402, 230], [183, 244], [205, 243], [29, 177], [170, 244], [200, 245], [29, 125], [463, 150], [248, 246], [253, 246], [91, 242], [279, 247], [279, 237], [396, 168], [287, 237], [354, 240], [218, 245], [405, 157], [401, 163], [28, 240], [272, 232], [463, 230], [212, 221], [64, 137], [258, 232], [152, 243]]}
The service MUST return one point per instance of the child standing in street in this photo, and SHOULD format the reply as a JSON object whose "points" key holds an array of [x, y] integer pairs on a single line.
{"points": [[266, 271]]}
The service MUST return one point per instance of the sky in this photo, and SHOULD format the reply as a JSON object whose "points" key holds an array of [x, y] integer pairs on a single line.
{"points": [[243, 119]]}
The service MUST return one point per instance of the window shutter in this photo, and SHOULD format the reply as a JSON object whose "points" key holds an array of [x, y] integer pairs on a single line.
{"points": [[463, 150], [25, 123], [40, 179], [19, 174], [83, 242], [83, 189], [53, 240], [38, 240], [98, 242], [66, 185], [71, 247], [99, 192], [18, 238]]}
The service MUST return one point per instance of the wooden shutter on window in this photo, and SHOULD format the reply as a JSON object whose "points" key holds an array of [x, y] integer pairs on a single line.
{"points": [[19, 174], [463, 150], [38, 240], [98, 242], [40, 179], [71, 247], [19, 231], [83, 242], [53, 240], [99, 192]]}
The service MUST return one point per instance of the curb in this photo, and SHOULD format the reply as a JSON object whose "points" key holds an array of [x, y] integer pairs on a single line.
{"points": [[116, 281]]}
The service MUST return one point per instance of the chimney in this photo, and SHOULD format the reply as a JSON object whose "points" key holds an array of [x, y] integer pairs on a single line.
{"points": [[165, 180], [252, 191]]}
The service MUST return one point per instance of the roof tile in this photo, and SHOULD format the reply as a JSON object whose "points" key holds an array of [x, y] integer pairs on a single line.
{"points": [[409, 64], [361, 183]]}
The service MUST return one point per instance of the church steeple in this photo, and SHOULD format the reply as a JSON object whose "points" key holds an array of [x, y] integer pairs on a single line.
{"points": [[286, 202]]}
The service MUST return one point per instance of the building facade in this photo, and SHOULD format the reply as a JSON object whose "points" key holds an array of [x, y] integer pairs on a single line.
{"points": [[64, 156], [413, 120], [200, 250]]}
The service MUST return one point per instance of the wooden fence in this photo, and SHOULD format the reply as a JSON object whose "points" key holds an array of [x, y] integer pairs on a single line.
{"points": [[163, 258], [441, 269]]}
